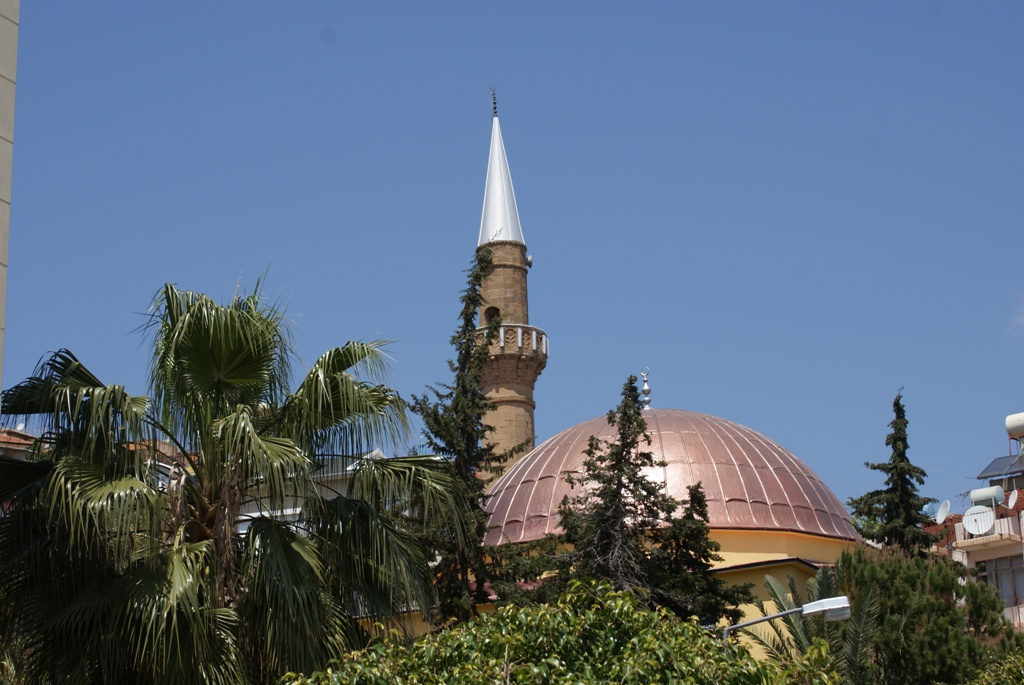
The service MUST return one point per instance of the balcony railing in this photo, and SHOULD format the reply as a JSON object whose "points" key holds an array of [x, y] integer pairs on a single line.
{"points": [[1005, 529], [525, 340], [1015, 615]]}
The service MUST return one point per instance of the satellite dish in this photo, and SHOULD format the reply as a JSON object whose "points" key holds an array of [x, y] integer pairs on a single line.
{"points": [[943, 512], [1012, 502], [979, 520]]}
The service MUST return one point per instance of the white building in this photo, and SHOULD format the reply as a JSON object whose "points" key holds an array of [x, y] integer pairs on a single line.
{"points": [[987, 537]]}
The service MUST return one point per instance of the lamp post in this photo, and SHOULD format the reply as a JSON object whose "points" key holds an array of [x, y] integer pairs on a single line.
{"points": [[834, 608]]}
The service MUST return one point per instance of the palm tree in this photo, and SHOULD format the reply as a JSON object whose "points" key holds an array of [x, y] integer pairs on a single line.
{"points": [[790, 637], [121, 556]]}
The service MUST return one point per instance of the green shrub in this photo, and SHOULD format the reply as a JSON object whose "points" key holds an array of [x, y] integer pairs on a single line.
{"points": [[591, 635], [1008, 669]]}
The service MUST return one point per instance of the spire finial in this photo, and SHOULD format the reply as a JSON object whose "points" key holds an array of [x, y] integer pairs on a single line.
{"points": [[499, 220], [646, 390]]}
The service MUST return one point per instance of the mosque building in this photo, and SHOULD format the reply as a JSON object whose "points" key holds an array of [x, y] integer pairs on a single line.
{"points": [[767, 509]]}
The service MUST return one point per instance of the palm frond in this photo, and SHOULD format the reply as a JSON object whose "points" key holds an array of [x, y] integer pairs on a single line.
{"points": [[334, 411], [63, 624], [169, 624], [35, 394], [773, 640], [365, 359], [422, 488], [99, 514], [212, 357], [293, 622], [78, 413], [153, 622], [274, 467], [120, 565], [857, 649], [792, 636], [100, 422], [378, 567], [823, 585], [789, 637]]}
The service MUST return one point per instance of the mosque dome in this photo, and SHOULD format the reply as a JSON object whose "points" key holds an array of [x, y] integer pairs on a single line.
{"points": [[751, 482]]}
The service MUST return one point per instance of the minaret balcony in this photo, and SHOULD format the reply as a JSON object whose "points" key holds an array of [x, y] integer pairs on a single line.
{"points": [[527, 341]]}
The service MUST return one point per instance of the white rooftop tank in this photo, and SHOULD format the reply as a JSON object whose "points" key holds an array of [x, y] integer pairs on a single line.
{"points": [[1015, 426], [992, 495]]}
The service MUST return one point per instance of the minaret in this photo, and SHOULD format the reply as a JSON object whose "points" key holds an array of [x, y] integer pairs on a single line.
{"points": [[519, 351]]}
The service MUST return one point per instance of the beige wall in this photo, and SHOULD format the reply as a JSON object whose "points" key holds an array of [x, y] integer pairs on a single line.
{"points": [[757, 546], [765, 547], [9, 16]]}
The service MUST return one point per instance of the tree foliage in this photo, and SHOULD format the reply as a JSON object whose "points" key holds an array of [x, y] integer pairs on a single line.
{"points": [[624, 527], [453, 416], [935, 625], [914, 620], [591, 635], [1009, 668], [680, 571], [610, 522], [121, 558], [791, 638], [893, 515]]}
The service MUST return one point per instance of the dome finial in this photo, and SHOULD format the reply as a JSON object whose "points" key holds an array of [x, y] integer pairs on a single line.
{"points": [[646, 390], [494, 103]]}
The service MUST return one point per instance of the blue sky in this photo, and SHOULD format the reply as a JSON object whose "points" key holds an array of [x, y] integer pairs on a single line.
{"points": [[786, 210]]}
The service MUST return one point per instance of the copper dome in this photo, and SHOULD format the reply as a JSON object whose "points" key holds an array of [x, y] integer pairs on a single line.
{"points": [[751, 482]]}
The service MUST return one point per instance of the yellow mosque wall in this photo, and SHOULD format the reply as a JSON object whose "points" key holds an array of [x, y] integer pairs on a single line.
{"points": [[749, 555], [754, 546]]}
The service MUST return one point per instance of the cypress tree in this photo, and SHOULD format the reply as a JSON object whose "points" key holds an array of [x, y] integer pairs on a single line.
{"points": [[453, 417], [893, 515]]}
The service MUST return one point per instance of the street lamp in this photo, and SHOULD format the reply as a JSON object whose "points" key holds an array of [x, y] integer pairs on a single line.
{"points": [[834, 608]]}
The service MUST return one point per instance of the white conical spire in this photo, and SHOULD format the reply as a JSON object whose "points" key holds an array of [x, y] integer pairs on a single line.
{"points": [[500, 218]]}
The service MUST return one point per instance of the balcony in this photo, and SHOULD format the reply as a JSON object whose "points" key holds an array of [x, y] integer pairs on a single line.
{"points": [[1006, 531], [519, 339], [1015, 615]]}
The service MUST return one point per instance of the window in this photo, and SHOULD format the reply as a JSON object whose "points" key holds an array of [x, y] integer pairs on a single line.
{"points": [[1006, 574]]}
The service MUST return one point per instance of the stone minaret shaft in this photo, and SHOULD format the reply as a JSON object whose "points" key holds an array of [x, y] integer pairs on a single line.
{"points": [[519, 352]]}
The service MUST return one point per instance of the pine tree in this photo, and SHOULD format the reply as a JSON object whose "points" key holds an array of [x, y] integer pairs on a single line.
{"points": [[681, 576], [453, 416], [624, 528], [609, 525], [893, 515], [935, 625]]}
